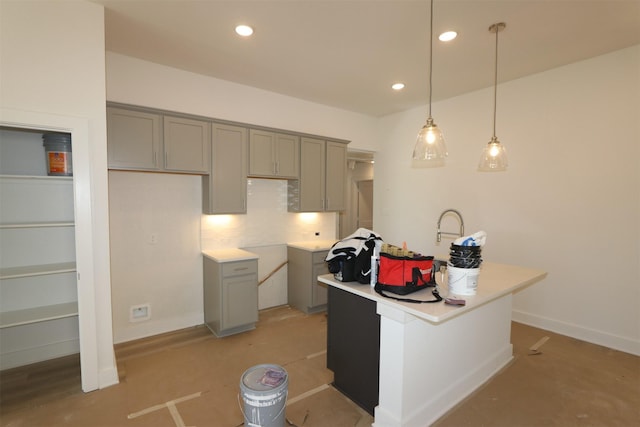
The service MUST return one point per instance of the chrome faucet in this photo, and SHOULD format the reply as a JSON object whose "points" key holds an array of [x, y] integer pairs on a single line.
{"points": [[455, 212]]}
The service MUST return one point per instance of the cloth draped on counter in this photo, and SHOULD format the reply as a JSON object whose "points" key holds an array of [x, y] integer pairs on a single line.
{"points": [[350, 258], [352, 245]]}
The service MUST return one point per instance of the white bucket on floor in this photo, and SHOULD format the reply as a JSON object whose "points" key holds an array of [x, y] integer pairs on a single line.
{"points": [[264, 393], [463, 281]]}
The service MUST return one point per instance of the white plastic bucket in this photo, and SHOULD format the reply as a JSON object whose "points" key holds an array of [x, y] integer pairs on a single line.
{"points": [[463, 281], [264, 393]]}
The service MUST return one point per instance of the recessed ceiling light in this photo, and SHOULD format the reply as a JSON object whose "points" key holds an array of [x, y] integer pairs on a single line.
{"points": [[397, 86], [244, 30], [447, 36]]}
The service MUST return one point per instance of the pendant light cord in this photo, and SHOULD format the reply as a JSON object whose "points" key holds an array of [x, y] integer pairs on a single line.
{"points": [[430, 55], [495, 84]]}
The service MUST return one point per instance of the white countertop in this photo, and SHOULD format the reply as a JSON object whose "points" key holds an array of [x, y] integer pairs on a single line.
{"points": [[313, 245], [229, 255], [495, 281]]}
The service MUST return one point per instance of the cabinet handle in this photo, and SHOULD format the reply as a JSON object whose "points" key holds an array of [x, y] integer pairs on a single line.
{"points": [[166, 158], [241, 269], [155, 156], [277, 168]]}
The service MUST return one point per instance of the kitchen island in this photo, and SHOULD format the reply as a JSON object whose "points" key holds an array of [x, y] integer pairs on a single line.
{"points": [[434, 355]]}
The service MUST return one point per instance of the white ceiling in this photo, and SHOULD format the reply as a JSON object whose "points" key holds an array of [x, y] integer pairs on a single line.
{"points": [[346, 54]]}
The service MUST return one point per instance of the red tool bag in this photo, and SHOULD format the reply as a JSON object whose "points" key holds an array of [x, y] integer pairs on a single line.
{"points": [[404, 275]]}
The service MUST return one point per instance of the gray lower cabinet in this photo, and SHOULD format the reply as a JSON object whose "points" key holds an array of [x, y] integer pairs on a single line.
{"points": [[230, 296], [303, 289]]}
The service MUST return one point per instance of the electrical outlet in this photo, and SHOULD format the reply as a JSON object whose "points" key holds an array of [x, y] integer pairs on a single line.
{"points": [[153, 238], [139, 313]]}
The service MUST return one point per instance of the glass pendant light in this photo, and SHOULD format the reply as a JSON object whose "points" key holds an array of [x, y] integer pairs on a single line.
{"points": [[430, 149], [494, 155]]}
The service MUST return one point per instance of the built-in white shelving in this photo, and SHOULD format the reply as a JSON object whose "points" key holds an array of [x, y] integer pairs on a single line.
{"points": [[37, 270], [38, 284], [45, 313], [38, 225]]}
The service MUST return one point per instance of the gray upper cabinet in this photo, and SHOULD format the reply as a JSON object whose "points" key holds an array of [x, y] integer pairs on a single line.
{"points": [[186, 145], [336, 176], [146, 141], [322, 183], [226, 154], [134, 139], [273, 155], [224, 190], [312, 178]]}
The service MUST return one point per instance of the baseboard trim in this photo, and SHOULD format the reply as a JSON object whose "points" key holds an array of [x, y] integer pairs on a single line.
{"points": [[437, 406], [616, 342], [150, 328]]}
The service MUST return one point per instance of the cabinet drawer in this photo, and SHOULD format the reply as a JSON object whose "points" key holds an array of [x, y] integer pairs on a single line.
{"points": [[230, 269], [319, 257]]}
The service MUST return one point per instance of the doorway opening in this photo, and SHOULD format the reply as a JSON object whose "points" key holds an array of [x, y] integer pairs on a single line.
{"points": [[359, 194]]}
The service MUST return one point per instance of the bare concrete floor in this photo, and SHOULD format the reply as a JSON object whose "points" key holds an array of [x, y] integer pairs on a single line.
{"points": [[191, 378]]}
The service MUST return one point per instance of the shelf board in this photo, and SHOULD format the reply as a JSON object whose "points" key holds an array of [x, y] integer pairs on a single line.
{"points": [[38, 177], [39, 314], [37, 270], [39, 224]]}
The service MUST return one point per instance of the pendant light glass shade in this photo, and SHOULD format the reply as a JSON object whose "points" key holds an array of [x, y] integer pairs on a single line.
{"points": [[430, 144], [430, 149], [494, 155]]}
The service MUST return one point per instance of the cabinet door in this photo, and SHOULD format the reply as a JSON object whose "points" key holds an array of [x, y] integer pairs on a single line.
{"points": [[318, 290], [186, 145], [287, 155], [240, 301], [133, 139], [336, 176], [225, 189], [261, 153], [312, 169]]}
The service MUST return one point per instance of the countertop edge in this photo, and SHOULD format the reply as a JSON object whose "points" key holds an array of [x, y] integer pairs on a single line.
{"points": [[312, 245], [229, 255], [497, 288]]}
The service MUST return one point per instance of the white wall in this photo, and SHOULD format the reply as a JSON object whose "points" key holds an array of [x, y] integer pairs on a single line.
{"points": [[138, 82], [52, 61], [167, 275], [569, 203]]}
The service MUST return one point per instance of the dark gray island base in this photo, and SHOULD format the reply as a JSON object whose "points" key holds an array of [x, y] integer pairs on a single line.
{"points": [[353, 346]]}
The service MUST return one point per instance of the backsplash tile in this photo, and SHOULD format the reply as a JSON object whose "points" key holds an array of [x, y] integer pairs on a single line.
{"points": [[267, 221]]}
